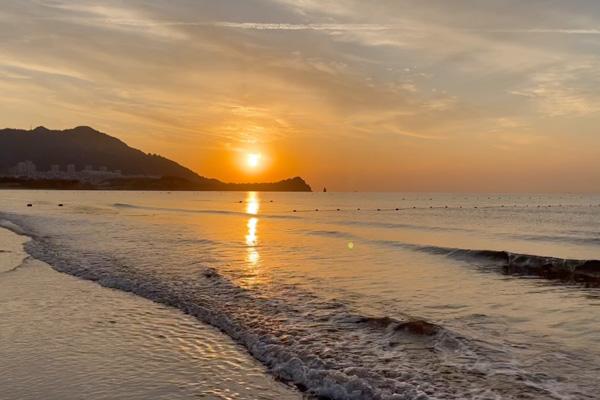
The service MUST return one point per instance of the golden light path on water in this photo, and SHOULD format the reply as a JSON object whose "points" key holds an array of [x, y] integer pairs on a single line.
{"points": [[252, 208]]}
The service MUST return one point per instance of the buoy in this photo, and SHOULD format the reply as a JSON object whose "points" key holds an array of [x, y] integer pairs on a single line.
{"points": [[397, 209], [60, 205]]}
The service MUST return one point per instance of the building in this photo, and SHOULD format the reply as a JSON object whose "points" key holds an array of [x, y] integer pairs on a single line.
{"points": [[25, 168]]}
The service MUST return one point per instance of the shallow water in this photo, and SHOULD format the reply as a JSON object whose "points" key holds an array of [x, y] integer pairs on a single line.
{"points": [[320, 296], [64, 338]]}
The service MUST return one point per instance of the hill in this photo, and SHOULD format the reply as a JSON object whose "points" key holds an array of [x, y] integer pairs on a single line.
{"points": [[84, 146]]}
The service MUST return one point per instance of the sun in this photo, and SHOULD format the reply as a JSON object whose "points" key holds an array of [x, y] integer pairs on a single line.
{"points": [[253, 160]]}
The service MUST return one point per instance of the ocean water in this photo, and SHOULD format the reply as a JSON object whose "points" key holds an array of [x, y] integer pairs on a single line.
{"points": [[63, 338], [324, 288]]}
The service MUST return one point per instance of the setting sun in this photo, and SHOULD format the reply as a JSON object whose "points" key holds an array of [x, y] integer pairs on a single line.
{"points": [[340, 199], [253, 160]]}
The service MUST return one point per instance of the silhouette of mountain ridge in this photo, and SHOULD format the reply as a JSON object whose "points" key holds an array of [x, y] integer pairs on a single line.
{"points": [[83, 146]]}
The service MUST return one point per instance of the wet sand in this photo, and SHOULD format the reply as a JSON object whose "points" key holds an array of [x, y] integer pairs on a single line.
{"points": [[64, 338]]}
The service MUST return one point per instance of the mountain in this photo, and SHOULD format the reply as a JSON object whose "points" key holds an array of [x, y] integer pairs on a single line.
{"points": [[83, 146]]}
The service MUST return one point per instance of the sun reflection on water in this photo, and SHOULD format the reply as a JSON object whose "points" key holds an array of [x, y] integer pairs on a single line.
{"points": [[252, 208], [251, 237], [252, 257], [252, 203]]}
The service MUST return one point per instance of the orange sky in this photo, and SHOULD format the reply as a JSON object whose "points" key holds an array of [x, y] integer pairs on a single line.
{"points": [[352, 95]]}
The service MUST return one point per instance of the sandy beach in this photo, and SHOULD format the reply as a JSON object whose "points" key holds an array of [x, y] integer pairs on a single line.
{"points": [[64, 338]]}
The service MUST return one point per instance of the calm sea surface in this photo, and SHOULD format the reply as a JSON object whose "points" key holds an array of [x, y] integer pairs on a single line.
{"points": [[318, 286]]}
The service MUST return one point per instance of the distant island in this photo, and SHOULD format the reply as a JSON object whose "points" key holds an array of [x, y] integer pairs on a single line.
{"points": [[83, 158]]}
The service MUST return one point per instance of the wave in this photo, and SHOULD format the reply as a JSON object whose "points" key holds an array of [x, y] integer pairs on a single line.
{"points": [[564, 269], [288, 360], [572, 270], [412, 326], [324, 347], [12, 227], [560, 238], [330, 233], [396, 225], [20, 253], [557, 238], [201, 211]]}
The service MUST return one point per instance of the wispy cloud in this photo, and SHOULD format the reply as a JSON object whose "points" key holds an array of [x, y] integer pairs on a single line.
{"points": [[303, 27], [553, 31], [564, 91], [268, 26], [113, 17]]}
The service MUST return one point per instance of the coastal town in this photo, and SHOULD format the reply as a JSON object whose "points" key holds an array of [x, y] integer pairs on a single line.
{"points": [[89, 174]]}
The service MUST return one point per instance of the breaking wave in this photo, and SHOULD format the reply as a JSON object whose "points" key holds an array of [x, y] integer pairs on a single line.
{"points": [[323, 347], [585, 271], [12, 227]]}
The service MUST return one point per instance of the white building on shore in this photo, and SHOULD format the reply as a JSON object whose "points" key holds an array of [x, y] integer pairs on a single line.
{"points": [[27, 169]]}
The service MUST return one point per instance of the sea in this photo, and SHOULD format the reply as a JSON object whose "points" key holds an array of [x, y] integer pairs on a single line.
{"points": [[330, 295]]}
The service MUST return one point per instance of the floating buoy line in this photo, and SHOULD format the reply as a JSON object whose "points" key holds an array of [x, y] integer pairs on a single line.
{"points": [[444, 207]]}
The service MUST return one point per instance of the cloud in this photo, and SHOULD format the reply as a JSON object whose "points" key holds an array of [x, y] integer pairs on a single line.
{"points": [[553, 31], [112, 17], [564, 91], [26, 69], [301, 27], [189, 75], [353, 27]]}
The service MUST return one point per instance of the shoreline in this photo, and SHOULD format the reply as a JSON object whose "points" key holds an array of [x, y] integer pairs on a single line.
{"points": [[65, 337], [174, 258]]}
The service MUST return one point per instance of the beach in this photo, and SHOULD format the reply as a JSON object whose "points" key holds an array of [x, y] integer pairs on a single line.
{"points": [[342, 295], [65, 338]]}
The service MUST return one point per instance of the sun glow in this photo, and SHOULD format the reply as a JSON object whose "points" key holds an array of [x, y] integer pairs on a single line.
{"points": [[253, 160]]}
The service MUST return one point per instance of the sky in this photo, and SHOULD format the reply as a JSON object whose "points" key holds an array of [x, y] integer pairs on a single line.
{"points": [[386, 95]]}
